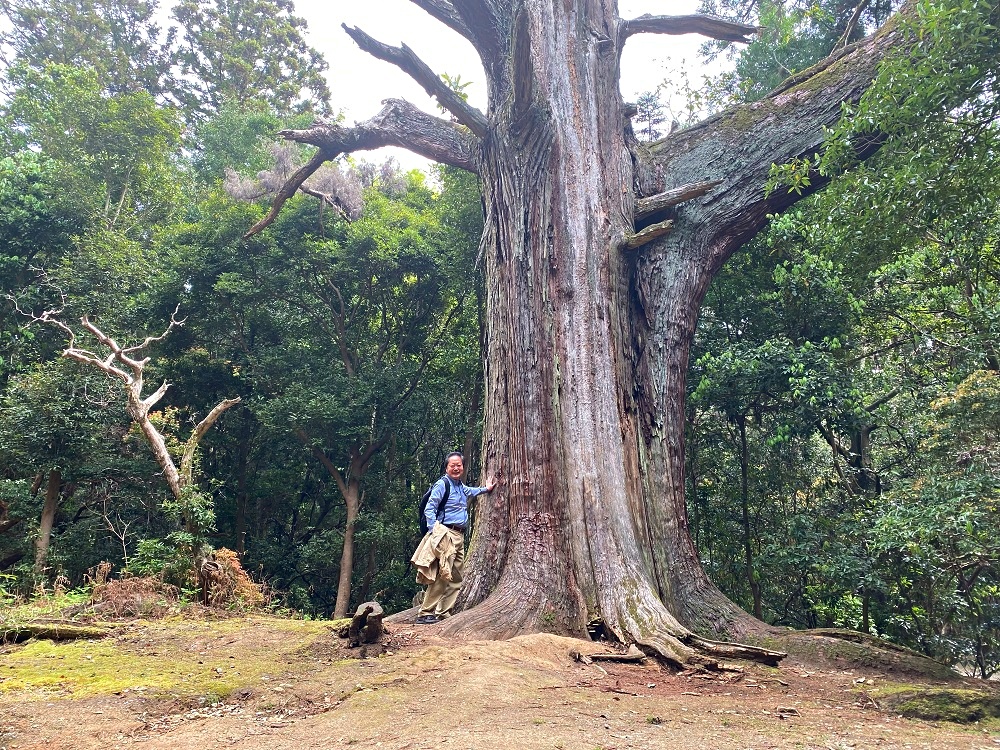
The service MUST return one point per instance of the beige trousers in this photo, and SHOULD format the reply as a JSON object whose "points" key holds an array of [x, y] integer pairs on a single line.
{"points": [[439, 599]]}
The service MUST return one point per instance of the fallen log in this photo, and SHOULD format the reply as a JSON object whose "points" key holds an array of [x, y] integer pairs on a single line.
{"points": [[53, 631]]}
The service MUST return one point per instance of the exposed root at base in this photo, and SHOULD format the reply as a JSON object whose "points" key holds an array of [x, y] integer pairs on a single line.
{"points": [[695, 652], [743, 651]]}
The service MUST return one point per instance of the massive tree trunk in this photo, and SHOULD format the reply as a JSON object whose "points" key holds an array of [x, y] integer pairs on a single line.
{"points": [[598, 252]]}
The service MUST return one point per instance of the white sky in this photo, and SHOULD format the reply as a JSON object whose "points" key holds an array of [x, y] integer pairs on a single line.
{"points": [[359, 82]]}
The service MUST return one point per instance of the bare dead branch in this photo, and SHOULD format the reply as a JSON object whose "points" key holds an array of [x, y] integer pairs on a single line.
{"points": [[290, 187], [401, 124], [650, 233], [174, 323], [645, 207], [48, 317], [398, 123], [138, 407], [153, 398], [89, 358], [710, 26], [187, 459], [406, 60]]}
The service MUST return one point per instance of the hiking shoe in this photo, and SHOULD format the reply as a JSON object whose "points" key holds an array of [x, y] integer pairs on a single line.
{"points": [[425, 620]]}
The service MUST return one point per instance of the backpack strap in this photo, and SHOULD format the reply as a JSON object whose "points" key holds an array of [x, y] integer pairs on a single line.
{"points": [[439, 514]]}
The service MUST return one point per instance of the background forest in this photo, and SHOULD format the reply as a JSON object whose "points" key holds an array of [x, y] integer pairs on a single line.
{"points": [[843, 446]]}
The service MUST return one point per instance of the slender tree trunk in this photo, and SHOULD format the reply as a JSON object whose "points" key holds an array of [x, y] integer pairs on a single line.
{"points": [[352, 500], [752, 579], [242, 493], [48, 519]]}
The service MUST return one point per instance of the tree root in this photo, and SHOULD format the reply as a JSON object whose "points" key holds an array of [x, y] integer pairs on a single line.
{"points": [[743, 651]]}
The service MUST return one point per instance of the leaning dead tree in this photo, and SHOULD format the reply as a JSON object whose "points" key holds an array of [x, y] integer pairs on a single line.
{"points": [[598, 251], [124, 364]]}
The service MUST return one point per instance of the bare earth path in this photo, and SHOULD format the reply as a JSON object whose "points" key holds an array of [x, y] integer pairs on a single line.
{"points": [[269, 683]]}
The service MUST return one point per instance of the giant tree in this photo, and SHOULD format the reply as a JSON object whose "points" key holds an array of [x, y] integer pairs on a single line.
{"points": [[597, 251]]}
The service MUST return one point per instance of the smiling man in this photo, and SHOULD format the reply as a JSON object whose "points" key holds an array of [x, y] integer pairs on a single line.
{"points": [[439, 599]]}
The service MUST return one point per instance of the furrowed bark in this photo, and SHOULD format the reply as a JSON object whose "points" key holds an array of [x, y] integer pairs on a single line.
{"points": [[559, 544]]}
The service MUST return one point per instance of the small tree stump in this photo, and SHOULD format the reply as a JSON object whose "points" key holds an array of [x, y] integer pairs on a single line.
{"points": [[366, 625]]}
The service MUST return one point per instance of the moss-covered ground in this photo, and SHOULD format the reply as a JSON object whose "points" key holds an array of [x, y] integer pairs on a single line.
{"points": [[178, 656], [196, 680]]}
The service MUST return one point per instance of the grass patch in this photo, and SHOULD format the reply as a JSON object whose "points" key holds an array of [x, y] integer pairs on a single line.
{"points": [[958, 705], [180, 657]]}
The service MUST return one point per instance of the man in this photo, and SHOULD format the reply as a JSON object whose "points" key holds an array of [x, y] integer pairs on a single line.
{"points": [[439, 599]]}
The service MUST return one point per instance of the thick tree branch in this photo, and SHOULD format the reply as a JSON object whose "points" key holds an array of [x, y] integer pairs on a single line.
{"points": [[302, 174], [645, 207], [482, 18], [406, 60], [787, 125], [398, 123], [401, 124], [710, 26], [445, 12], [154, 398]]}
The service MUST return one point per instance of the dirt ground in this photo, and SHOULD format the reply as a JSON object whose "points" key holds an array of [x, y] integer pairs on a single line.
{"points": [[261, 683]]}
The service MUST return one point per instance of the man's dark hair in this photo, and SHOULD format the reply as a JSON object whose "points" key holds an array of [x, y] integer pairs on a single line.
{"points": [[453, 454]]}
